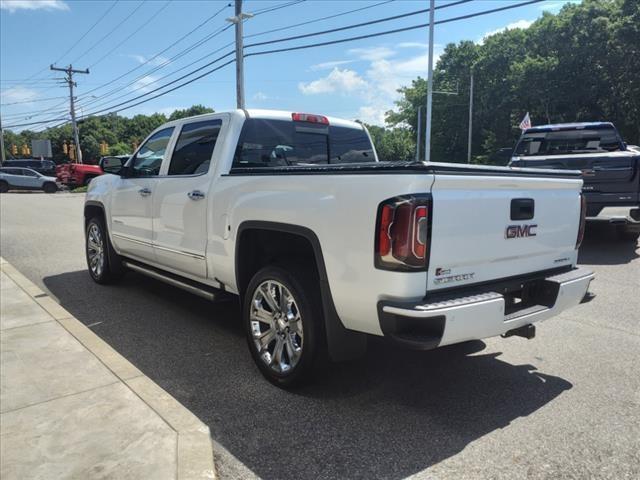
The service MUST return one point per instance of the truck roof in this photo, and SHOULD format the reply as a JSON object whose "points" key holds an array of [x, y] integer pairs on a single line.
{"points": [[275, 115], [569, 126]]}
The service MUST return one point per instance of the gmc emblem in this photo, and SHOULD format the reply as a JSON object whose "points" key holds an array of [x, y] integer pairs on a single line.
{"points": [[520, 231]]}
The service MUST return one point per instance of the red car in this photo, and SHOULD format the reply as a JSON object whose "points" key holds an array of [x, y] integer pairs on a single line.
{"points": [[77, 174]]}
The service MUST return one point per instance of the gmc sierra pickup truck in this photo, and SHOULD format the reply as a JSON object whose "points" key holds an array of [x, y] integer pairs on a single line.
{"points": [[325, 245], [610, 169]]}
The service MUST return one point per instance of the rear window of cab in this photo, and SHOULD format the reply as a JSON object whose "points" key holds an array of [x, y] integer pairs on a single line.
{"points": [[278, 143]]}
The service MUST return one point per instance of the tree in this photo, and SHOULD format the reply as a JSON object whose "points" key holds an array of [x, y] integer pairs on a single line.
{"points": [[190, 112], [393, 144], [582, 64]]}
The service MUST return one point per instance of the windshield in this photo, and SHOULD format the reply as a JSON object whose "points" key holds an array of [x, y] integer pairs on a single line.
{"points": [[568, 141]]}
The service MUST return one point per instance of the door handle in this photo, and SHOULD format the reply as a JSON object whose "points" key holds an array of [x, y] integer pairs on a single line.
{"points": [[144, 192], [195, 195]]}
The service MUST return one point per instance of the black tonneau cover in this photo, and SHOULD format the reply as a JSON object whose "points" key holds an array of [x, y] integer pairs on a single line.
{"points": [[406, 168]]}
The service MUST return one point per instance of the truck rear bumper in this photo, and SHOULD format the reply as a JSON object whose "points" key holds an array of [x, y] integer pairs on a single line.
{"points": [[476, 314]]}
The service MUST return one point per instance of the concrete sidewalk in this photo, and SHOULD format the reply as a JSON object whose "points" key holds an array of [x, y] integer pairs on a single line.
{"points": [[72, 407]]}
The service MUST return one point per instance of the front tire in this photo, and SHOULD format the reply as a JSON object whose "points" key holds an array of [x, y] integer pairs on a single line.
{"points": [[282, 316], [100, 254], [50, 187]]}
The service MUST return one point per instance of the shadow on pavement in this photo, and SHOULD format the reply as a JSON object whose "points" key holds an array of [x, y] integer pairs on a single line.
{"points": [[389, 415], [601, 246]]}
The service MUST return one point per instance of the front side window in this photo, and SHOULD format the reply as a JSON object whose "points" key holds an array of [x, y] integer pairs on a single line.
{"points": [[193, 150], [148, 160], [29, 173]]}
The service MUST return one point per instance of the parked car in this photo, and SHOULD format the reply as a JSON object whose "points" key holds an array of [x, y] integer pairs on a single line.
{"points": [[610, 169], [325, 245], [77, 174], [45, 167], [25, 179]]}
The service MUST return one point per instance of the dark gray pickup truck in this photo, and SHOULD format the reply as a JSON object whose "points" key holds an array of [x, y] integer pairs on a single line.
{"points": [[610, 170]]}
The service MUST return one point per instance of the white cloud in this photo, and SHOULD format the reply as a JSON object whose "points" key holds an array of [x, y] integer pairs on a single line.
{"points": [[341, 81], [155, 61], [329, 65], [15, 5], [372, 53], [518, 24], [377, 87], [260, 96], [144, 84], [413, 45], [18, 94]]}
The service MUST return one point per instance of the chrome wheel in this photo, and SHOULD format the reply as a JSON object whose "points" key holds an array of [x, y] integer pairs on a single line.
{"points": [[95, 250], [276, 326]]}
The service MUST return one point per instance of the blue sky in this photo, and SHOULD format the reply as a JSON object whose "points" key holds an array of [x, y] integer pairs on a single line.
{"points": [[352, 80]]}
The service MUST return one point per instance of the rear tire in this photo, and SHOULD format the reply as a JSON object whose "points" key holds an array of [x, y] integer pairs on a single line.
{"points": [[50, 187], [4, 186], [103, 262], [282, 317], [627, 235], [87, 181]]}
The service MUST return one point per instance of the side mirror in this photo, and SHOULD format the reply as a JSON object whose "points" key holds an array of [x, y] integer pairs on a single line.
{"points": [[112, 165]]}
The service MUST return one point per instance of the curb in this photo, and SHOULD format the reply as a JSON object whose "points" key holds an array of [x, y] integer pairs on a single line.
{"points": [[195, 446]]}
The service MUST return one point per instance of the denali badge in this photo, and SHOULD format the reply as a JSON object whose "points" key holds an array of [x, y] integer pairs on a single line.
{"points": [[519, 231], [454, 278]]}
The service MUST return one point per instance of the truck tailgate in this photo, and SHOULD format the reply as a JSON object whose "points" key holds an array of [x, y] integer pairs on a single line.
{"points": [[487, 227]]}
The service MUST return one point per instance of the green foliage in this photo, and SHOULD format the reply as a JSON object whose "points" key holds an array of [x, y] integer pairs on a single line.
{"points": [[119, 133], [190, 112], [582, 64], [395, 144]]}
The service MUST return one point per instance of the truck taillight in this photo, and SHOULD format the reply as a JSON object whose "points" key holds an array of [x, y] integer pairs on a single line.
{"points": [[403, 233], [583, 220]]}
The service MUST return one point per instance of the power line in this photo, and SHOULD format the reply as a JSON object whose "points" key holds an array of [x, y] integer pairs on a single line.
{"points": [[357, 25], [170, 83], [276, 7], [135, 31], [77, 41], [35, 100], [118, 25], [389, 32], [164, 63], [318, 19], [106, 12]]}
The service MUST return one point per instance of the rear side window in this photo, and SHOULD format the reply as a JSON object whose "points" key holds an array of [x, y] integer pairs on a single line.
{"points": [[192, 154], [277, 143]]}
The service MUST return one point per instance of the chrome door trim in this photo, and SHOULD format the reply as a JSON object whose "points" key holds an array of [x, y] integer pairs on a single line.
{"points": [[159, 247]]}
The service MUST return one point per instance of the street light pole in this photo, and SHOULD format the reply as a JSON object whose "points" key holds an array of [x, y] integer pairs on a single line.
{"points": [[470, 118], [237, 20], [419, 130], [427, 135]]}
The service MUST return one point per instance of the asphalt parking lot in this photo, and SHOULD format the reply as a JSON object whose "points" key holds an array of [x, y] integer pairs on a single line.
{"points": [[564, 405]]}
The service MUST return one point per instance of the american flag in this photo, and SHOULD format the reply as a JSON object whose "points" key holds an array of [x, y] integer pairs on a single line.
{"points": [[526, 122]]}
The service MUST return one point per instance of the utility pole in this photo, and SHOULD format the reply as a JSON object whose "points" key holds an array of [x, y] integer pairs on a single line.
{"points": [[237, 20], [419, 130], [427, 135], [69, 79], [470, 117], [2, 159]]}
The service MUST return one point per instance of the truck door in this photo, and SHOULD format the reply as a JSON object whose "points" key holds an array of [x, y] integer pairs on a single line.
{"points": [[132, 198], [180, 200]]}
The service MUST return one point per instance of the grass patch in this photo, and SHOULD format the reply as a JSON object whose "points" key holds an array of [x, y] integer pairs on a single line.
{"points": [[79, 190]]}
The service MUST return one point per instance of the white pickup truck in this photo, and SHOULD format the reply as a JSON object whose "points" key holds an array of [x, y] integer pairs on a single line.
{"points": [[325, 245]]}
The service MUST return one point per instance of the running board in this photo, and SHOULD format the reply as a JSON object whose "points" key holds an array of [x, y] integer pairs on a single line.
{"points": [[190, 286]]}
